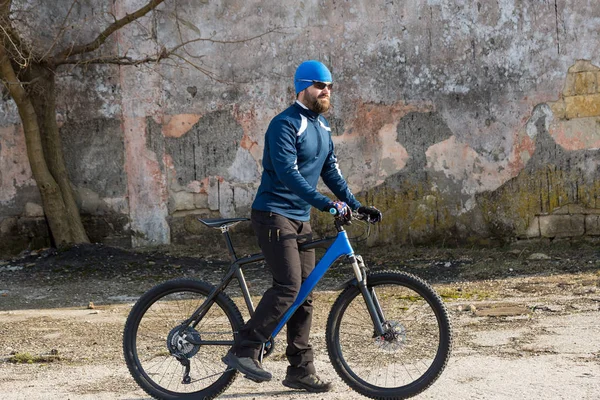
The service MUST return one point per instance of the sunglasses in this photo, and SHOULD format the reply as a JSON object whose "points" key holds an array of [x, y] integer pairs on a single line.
{"points": [[319, 85]]}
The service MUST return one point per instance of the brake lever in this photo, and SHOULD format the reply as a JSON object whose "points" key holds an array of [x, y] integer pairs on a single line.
{"points": [[361, 217]]}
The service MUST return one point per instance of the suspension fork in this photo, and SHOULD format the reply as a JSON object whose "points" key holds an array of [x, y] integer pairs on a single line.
{"points": [[369, 296]]}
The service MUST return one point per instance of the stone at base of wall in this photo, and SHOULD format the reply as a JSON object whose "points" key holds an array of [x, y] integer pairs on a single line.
{"points": [[31, 233], [592, 225], [569, 221], [108, 228], [21, 233], [560, 226]]}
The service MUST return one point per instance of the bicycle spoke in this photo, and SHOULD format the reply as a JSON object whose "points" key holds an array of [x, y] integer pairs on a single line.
{"points": [[406, 351], [160, 342]]}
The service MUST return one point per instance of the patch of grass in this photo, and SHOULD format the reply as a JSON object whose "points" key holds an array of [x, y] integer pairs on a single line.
{"points": [[455, 294], [395, 296], [27, 358]]}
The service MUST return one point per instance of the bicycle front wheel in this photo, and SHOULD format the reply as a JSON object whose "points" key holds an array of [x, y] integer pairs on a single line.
{"points": [[157, 348], [415, 346]]}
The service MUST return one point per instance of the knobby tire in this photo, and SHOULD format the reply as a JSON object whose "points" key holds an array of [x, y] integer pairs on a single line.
{"points": [[155, 316], [419, 337]]}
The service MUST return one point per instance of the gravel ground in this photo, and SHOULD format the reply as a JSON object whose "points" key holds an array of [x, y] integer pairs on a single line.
{"points": [[526, 320]]}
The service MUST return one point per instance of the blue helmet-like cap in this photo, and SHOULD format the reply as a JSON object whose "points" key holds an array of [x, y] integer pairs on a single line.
{"points": [[310, 71]]}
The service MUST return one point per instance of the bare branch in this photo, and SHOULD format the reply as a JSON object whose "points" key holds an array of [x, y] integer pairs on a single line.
{"points": [[8, 36], [61, 30], [119, 60], [203, 70], [163, 54], [265, 33], [101, 38]]}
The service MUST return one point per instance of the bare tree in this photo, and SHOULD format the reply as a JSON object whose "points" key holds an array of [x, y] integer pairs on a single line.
{"points": [[29, 75]]}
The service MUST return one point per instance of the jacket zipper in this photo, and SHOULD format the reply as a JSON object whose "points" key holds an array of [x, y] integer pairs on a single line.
{"points": [[319, 138]]}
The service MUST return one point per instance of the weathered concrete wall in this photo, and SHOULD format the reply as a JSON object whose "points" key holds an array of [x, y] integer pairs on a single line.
{"points": [[461, 120]]}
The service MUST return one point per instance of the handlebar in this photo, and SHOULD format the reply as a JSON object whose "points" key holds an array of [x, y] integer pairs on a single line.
{"points": [[346, 219], [343, 213]]}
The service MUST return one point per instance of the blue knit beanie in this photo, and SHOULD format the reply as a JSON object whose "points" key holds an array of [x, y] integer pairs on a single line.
{"points": [[310, 71]]}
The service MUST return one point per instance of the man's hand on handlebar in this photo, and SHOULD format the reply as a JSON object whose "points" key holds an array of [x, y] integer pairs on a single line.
{"points": [[339, 209], [373, 215]]}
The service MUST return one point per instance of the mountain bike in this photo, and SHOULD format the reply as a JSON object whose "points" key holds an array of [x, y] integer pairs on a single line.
{"points": [[388, 334]]}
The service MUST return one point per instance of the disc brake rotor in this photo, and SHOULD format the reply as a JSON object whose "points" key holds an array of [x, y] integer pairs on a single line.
{"points": [[393, 339]]}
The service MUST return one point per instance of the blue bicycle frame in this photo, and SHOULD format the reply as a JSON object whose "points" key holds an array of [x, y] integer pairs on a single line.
{"points": [[340, 246]]}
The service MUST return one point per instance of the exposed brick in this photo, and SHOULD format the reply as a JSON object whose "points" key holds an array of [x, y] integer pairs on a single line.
{"points": [[558, 108], [585, 83], [213, 194], [560, 226], [226, 203], [576, 208], [583, 106], [569, 87], [8, 225], [582, 66], [561, 210], [183, 201], [201, 200], [592, 225], [33, 210], [533, 231]]}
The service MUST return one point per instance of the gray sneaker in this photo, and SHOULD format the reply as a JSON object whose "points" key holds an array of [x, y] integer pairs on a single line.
{"points": [[311, 383], [249, 367]]}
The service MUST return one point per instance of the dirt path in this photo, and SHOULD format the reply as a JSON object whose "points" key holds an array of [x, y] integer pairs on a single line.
{"points": [[516, 336]]}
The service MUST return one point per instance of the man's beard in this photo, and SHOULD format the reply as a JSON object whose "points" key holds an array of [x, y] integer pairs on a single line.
{"points": [[318, 105]]}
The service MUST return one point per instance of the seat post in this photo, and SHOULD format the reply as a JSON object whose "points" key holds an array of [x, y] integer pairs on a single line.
{"points": [[225, 232]]}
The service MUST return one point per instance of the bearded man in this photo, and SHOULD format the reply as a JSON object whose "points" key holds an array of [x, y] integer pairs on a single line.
{"points": [[298, 150]]}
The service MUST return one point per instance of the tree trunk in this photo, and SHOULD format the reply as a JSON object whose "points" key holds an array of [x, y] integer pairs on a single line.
{"points": [[37, 109], [52, 200], [44, 103]]}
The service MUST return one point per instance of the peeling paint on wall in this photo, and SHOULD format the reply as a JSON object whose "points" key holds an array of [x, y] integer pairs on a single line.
{"points": [[208, 165], [146, 187], [207, 149], [563, 170], [100, 151], [462, 120], [370, 150], [179, 125], [15, 173], [576, 125]]}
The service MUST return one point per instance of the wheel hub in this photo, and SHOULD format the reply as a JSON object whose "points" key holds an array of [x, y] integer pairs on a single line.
{"points": [[179, 345], [393, 338]]}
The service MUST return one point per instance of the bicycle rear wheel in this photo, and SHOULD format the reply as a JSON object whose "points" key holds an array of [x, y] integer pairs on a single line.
{"points": [[156, 349], [411, 354]]}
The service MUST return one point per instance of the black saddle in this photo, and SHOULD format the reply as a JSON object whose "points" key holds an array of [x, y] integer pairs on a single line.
{"points": [[222, 222]]}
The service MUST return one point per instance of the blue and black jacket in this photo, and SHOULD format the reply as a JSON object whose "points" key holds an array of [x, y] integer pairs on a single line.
{"points": [[298, 149]]}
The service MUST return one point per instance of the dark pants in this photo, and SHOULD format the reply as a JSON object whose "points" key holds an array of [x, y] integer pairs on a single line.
{"points": [[278, 238]]}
